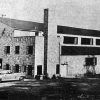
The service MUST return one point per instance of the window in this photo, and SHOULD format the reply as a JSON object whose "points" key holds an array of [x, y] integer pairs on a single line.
{"points": [[16, 68], [87, 41], [24, 68], [36, 33], [57, 69], [29, 70], [7, 49], [7, 66], [30, 49], [0, 63], [90, 61], [17, 48], [70, 40], [97, 41]]}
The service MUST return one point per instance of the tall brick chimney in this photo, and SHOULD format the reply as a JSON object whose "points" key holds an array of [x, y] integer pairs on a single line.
{"points": [[45, 39]]}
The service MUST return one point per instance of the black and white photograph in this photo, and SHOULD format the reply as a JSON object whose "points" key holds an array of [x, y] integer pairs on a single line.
{"points": [[49, 49]]}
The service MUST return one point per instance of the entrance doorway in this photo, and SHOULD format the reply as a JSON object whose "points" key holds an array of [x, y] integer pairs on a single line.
{"points": [[39, 70], [57, 69], [29, 70], [0, 63]]}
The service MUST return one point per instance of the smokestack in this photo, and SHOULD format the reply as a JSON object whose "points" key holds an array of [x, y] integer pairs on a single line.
{"points": [[45, 40]]}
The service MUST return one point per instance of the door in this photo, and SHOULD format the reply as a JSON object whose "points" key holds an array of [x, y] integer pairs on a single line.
{"points": [[63, 70], [29, 70], [0, 63], [39, 70], [57, 69]]}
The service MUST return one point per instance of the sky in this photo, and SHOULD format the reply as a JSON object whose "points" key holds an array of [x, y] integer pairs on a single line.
{"points": [[80, 13]]}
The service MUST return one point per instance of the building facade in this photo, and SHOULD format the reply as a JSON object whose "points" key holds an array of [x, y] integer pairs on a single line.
{"points": [[69, 47], [21, 50], [51, 47]]}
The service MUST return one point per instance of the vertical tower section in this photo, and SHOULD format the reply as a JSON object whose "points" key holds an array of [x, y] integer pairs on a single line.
{"points": [[45, 39]]}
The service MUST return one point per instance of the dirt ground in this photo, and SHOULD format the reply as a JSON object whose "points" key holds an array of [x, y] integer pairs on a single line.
{"points": [[60, 89]]}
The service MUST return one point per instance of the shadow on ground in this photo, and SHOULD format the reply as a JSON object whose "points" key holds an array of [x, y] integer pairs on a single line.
{"points": [[60, 89]]}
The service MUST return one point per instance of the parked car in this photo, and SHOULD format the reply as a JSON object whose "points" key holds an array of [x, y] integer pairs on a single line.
{"points": [[7, 75]]}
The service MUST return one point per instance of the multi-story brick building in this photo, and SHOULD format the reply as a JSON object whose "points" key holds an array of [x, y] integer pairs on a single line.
{"points": [[18, 46]]}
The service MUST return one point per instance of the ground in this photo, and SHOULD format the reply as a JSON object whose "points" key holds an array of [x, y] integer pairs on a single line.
{"points": [[60, 89]]}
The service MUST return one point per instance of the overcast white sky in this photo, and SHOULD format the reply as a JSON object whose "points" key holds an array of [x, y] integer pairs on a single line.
{"points": [[86, 11]]}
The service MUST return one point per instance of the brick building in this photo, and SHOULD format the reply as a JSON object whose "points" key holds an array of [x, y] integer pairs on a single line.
{"points": [[19, 41]]}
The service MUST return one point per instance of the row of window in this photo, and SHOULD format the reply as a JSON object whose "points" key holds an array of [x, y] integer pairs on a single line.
{"points": [[17, 50], [16, 68], [39, 69], [84, 41]]}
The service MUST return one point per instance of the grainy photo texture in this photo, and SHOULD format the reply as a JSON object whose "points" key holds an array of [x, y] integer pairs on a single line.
{"points": [[49, 49]]}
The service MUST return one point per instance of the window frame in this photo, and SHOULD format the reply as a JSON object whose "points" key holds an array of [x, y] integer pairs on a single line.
{"points": [[7, 66], [96, 42], [85, 42], [17, 50], [29, 51], [7, 50], [75, 40], [17, 70]]}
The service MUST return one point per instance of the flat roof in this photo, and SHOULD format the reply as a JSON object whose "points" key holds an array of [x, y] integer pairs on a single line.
{"points": [[77, 31]]}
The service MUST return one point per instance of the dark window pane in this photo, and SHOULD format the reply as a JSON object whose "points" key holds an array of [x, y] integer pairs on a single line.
{"points": [[7, 49], [16, 68], [30, 49], [91, 61], [87, 41], [70, 40], [7, 66], [0, 63], [29, 70], [24, 68], [17, 48], [97, 41]]}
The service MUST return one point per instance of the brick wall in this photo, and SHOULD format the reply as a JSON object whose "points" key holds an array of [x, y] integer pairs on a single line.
{"points": [[22, 59]]}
